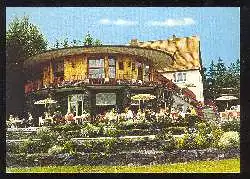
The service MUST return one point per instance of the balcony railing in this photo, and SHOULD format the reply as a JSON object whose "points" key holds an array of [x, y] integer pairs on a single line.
{"points": [[165, 83]]}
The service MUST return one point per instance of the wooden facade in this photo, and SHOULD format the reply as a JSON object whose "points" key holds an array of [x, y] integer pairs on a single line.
{"points": [[86, 72]]}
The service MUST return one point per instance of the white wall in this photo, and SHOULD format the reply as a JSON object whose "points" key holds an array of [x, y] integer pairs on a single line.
{"points": [[192, 77]]}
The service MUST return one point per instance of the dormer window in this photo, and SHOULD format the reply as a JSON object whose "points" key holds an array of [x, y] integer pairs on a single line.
{"points": [[180, 77]]}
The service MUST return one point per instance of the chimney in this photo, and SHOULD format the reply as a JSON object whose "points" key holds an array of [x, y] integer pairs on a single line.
{"points": [[134, 42]]}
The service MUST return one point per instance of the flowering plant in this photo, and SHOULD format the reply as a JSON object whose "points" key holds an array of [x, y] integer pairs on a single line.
{"points": [[229, 139]]}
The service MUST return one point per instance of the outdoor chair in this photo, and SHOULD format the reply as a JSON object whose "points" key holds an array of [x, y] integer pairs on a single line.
{"points": [[40, 121], [106, 80]]}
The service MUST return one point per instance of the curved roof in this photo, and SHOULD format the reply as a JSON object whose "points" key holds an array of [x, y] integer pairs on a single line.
{"points": [[158, 58]]}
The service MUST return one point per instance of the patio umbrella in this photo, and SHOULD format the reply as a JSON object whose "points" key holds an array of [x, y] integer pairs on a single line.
{"points": [[46, 101], [226, 98], [143, 97]]}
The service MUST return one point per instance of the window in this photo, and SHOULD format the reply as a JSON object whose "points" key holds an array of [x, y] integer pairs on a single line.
{"points": [[105, 99], [133, 66], [111, 67], [121, 66], [96, 68], [58, 68], [75, 104], [180, 77], [73, 63]]}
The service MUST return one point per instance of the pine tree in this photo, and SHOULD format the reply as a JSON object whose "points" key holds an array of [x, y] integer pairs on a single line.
{"points": [[220, 74], [65, 43], [88, 40], [57, 44]]}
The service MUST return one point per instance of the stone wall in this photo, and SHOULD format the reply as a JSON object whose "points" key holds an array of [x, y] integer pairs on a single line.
{"points": [[122, 158]]}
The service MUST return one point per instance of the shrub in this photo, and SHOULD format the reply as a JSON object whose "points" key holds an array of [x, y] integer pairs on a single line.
{"points": [[66, 127], [56, 149], [13, 147], [110, 132], [231, 125], [216, 135], [176, 130], [14, 135], [187, 141], [203, 128], [69, 147], [90, 130], [229, 140], [45, 134], [30, 146]]}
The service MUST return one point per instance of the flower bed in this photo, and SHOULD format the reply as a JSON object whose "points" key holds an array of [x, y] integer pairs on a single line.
{"points": [[119, 158]]}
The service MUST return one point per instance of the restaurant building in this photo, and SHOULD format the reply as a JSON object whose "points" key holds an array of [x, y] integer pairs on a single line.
{"points": [[99, 78]]}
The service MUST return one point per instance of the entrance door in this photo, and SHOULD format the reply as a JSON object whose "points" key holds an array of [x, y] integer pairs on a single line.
{"points": [[140, 73]]}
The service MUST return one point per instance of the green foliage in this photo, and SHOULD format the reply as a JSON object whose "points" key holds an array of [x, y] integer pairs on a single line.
{"points": [[23, 39], [229, 139], [97, 42], [65, 43], [219, 76], [231, 125], [90, 130], [167, 140], [66, 127], [110, 132], [187, 141], [216, 134], [69, 147], [56, 149], [90, 41], [30, 146]]}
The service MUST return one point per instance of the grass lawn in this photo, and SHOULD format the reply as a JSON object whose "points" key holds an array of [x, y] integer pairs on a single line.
{"points": [[218, 166]]}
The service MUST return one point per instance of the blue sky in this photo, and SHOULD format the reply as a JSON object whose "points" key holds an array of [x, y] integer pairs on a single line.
{"points": [[218, 28]]}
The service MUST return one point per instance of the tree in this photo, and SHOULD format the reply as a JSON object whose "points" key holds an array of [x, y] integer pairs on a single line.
{"points": [[90, 41], [23, 40], [97, 42], [65, 43], [74, 43], [220, 74], [57, 44], [209, 82]]}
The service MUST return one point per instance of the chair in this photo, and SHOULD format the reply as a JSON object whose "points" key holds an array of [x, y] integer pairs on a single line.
{"points": [[106, 80], [41, 121], [86, 81], [133, 81]]}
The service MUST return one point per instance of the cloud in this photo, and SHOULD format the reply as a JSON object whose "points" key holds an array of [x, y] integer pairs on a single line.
{"points": [[173, 22], [117, 22]]}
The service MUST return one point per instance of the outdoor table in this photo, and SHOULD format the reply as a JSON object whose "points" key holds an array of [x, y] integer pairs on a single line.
{"points": [[78, 119], [15, 122]]}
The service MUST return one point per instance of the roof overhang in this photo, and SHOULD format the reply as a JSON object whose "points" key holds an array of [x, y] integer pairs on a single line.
{"points": [[158, 58]]}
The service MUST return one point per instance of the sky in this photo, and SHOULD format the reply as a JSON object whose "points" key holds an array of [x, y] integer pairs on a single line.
{"points": [[217, 27]]}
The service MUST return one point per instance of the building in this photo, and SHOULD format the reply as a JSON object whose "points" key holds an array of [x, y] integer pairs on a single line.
{"points": [[186, 66], [99, 78]]}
